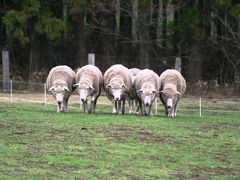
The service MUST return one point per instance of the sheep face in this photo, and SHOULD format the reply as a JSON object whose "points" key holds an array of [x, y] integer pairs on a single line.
{"points": [[84, 90], [117, 90], [147, 96], [60, 92], [170, 99]]}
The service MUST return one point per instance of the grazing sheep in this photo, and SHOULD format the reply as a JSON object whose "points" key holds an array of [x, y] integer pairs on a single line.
{"points": [[147, 86], [60, 83], [133, 101], [172, 87], [117, 84], [89, 82]]}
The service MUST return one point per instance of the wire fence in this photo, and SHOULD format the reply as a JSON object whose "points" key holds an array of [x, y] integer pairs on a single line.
{"points": [[25, 92]]}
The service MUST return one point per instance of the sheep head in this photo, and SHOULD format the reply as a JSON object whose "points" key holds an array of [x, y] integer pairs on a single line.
{"points": [[117, 89], [59, 91], [147, 93], [85, 89], [169, 96]]}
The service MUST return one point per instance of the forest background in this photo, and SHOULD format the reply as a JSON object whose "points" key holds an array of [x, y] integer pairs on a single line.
{"points": [[205, 34]]}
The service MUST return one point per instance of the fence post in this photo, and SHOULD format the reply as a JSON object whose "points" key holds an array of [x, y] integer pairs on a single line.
{"points": [[5, 66], [45, 94], [11, 90], [178, 64], [91, 58], [200, 107]]}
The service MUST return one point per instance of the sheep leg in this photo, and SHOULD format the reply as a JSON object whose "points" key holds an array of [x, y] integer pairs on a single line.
{"points": [[123, 106], [145, 109], [93, 104], [140, 107], [171, 112], [130, 104], [136, 106], [114, 106], [85, 106], [150, 110], [58, 107], [119, 107], [62, 107], [166, 110], [66, 105], [175, 110]]}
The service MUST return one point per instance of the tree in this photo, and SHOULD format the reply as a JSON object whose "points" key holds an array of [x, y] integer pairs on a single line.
{"points": [[31, 19]]}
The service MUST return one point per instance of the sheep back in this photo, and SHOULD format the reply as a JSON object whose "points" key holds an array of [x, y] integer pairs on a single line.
{"points": [[91, 72], [170, 78], [60, 74], [147, 76], [117, 71], [133, 72]]}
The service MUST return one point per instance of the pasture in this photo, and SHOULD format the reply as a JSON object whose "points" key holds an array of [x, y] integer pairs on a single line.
{"points": [[38, 143]]}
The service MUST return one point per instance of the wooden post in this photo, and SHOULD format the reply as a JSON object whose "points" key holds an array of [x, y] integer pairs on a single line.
{"points": [[91, 58], [200, 107], [11, 91], [178, 64], [45, 94], [5, 64]]}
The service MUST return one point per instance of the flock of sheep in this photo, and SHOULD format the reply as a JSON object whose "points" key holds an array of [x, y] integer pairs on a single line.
{"points": [[138, 87]]}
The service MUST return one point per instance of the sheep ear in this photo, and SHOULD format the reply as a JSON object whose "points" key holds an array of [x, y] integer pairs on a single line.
{"points": [[178, 93], [76, 85], [91, 87], [51, 88], [140, 90], [108, 86], [154, 91], [124, 86], [66, 88], [160, 92]]}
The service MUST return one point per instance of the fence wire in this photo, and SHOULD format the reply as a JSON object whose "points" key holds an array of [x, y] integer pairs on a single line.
{"points": [[25, 92]]}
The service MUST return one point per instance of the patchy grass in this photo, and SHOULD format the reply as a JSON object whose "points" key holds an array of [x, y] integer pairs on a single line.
{"points": [[38, 143]]}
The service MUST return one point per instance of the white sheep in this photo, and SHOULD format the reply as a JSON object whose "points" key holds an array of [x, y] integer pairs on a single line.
{"points": [[133, 101], [172, 87], [117, 84], [60, 83], [89, 82], [147, 87]]}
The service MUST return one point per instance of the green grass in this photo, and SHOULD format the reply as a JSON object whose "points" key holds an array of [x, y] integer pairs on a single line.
{"points": [[38, 143]]}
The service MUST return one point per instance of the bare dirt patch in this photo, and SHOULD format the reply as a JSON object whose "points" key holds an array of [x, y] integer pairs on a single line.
{"points": [[215, 127], [127, 133], [220, 171]]}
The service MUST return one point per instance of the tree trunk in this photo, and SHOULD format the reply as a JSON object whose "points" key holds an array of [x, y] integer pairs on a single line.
{"points": [[134, 32], [144, 39], [176, 38], [195, 65], [164, 23], [81, 56], [117, 17], [65, 6], [159, 22], [134, 20], [31, 49]]}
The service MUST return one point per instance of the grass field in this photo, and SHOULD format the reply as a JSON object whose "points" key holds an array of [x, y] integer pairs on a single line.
{"points": [[38, 143]]}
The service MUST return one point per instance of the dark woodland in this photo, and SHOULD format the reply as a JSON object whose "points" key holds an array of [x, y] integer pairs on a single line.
{"points": [[205, 34]]}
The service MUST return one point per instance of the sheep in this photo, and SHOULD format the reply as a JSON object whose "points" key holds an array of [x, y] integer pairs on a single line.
{"points": [[147, 87], [133, 101], [172, 87], [60, 83], [117, 84], [89, 82]]}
